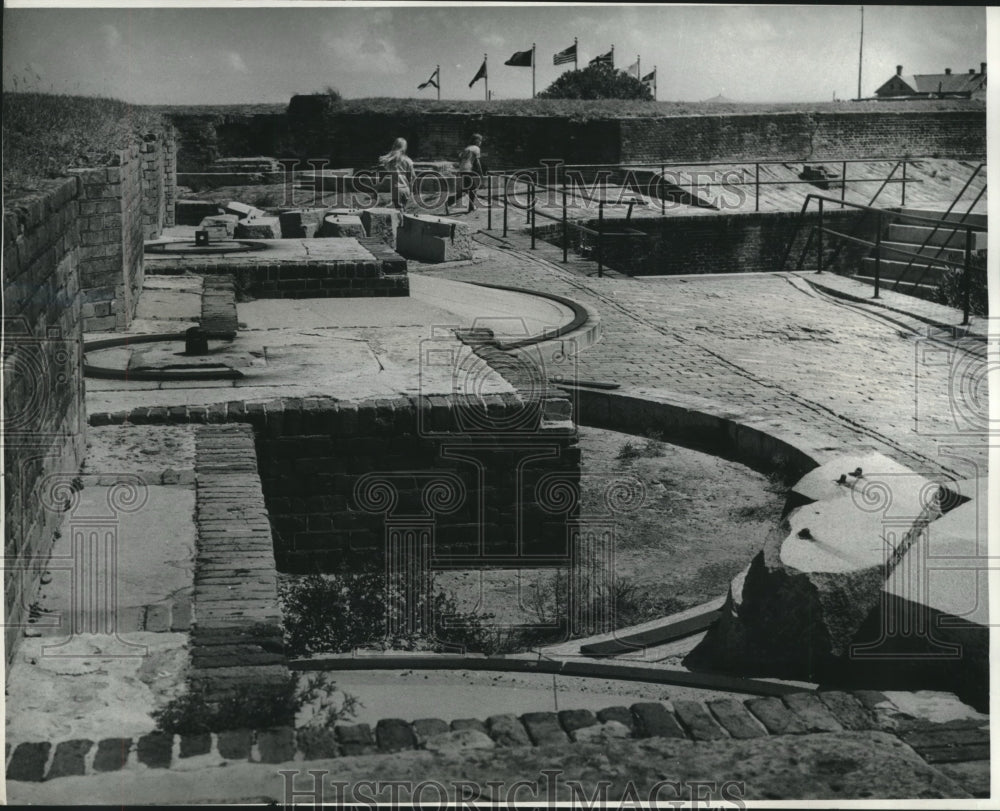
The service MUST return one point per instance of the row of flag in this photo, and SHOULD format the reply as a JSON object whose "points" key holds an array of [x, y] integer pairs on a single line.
{"points": [[526, 59]]}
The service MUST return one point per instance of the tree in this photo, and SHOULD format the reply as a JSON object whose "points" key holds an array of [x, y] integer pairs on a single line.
{"points": [[597, 82]]}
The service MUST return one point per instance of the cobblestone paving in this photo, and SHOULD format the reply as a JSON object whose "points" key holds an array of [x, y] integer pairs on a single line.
{"points": [[777, 347]]}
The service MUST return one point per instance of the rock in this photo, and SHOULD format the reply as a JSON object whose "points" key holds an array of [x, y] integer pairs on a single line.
{"points": [[599, 733], [456, 741], [433, 239], [382, 223], [302, 223], [225, 222], [507, 730], [341, 225], [259, 228], [243, 211], [798, 609]]}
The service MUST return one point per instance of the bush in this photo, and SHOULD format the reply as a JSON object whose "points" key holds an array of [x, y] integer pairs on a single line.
{"points": [[597, 82], [950, 290]]}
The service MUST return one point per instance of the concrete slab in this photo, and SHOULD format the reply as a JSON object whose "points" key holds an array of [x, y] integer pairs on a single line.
{"points": [[341, 225], [949, 570], [821, 482], [170, 298], [92, 695]]}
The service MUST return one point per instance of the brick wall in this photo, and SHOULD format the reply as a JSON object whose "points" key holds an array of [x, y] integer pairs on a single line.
{"points": [[356, 140], [506, 460], [802, 136], [733, 243], [44, 420], [311, 130], [120, 207]]}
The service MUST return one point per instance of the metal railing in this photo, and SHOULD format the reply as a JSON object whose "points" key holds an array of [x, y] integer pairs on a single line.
{"points": [[881, 214], [499, 190]]}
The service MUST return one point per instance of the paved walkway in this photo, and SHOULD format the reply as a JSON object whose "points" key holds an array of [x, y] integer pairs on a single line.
{"points": [[778, 345]]}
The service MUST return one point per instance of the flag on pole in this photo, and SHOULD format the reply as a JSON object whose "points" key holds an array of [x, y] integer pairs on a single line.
{"points": [[569, 55], [521, 59], [431, 82], [480, 74], [633, 69], [604, 59], [650, 77]]}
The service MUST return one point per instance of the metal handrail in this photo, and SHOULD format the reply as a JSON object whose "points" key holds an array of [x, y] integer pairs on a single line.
{"points": [[945, 217], [820, 230]]}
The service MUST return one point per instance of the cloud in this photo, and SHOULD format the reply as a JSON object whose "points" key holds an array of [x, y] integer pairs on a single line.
{"points": [[364, 48], [493, 40], [235, 62], [112, 36]]}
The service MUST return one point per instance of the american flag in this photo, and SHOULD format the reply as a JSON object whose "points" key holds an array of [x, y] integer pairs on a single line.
{"points": [[569, 55]]}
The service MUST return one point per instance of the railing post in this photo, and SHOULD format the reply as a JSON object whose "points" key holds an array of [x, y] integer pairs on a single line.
{"points": [[878, 253], [756, 199], [600, 239], [565, 234], [663, 191], [527, 211], [819, 239], [532, 200], [843, 182], [967, 277], [506, 184], [489, 202], [902, 193]]}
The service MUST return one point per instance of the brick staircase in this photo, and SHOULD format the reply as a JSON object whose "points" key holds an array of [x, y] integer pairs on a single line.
{"points": [[946, 243]]}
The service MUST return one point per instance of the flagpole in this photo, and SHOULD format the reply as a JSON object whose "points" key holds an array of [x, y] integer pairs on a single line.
{"points": [[439, 81], [612, 54], [638, 67], [532, 70], [576, 50], [861, 49], [486, 79], [656, 81]]}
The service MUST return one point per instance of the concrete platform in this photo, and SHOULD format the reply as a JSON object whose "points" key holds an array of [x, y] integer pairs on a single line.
{"points": [[353, 349]]}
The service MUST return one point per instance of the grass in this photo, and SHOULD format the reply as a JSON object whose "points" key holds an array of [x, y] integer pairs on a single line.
{"points": [[45, 134], [576, 109]]}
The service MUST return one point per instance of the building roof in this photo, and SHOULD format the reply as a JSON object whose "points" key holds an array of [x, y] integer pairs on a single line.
{"points": [[907, 84]]}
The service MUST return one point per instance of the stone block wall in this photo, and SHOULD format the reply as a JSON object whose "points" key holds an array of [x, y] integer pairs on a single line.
{"points": [[44, 421]]}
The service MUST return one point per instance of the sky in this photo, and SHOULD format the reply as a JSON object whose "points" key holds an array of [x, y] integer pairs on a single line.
{"points": [[196, 54]]}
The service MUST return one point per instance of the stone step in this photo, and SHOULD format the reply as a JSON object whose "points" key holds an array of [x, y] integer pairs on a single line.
{"points": [[955, 253], [928, 292], [974, 219], [921, 234], [891, 269]]}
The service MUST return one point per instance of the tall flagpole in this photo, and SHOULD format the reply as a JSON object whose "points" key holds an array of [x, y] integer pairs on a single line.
{"points": [[576, 51], [439, 82], [656, 81], [612, 54], [638, 67], [861, 49], [532, 70], [486, 79]]}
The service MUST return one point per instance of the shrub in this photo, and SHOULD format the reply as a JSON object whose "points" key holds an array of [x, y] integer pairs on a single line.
{"points": [[202, 709], [597, 82], [951, 292]]}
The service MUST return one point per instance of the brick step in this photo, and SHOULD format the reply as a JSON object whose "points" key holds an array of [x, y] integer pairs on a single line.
{"points": [[918, 234], [891, 270], [973, 219]]}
